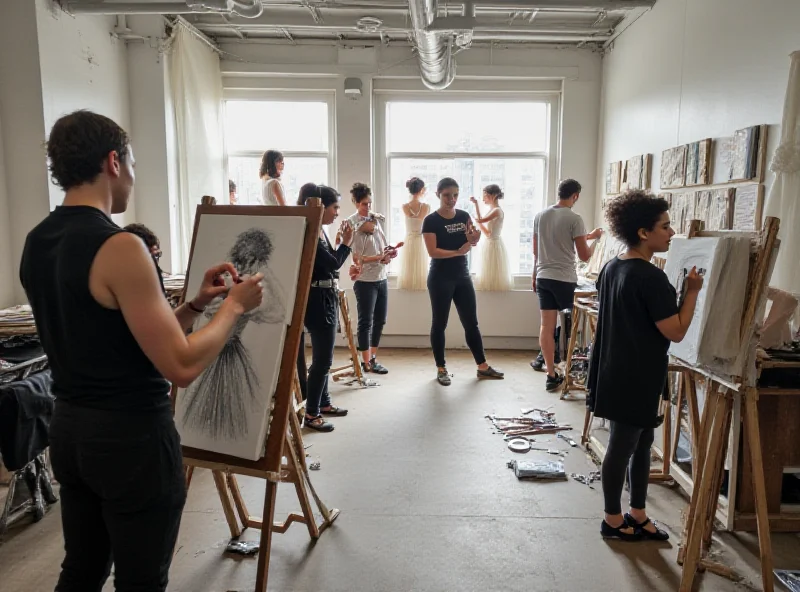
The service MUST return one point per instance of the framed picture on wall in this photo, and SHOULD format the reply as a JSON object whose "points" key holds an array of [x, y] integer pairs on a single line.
{"points": [[613, 178], [673, 167], [698, 158]]}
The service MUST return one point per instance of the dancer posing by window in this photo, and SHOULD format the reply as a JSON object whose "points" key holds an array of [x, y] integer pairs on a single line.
{"points": [[449, 235], [371, 255], [493, 275], [638, 318], [271, 187], [414, 258], [322, 311]]}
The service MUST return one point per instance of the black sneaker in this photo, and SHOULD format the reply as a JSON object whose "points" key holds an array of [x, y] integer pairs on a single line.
{"points": [[553, 382], [538, 363], [377, 367]]}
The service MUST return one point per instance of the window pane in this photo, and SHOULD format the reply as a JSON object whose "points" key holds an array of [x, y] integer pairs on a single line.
{"points": [[466, 127], [297, 172], [521, 179], [278, 125]]}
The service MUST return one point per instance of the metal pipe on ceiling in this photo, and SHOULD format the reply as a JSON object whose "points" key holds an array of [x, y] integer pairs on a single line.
{"points": [[244, 8], [437, 63]]}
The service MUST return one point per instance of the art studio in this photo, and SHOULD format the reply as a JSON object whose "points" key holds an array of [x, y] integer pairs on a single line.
{"points": [[265, 325]]}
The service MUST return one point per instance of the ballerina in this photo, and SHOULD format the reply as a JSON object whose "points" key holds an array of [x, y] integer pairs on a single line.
{"points": [[414, 259], [494, 275], [218, 402]]}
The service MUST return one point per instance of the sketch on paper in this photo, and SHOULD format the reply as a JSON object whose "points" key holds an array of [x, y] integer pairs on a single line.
{"points": [[228, 407], [712, 340], [673, 167]]}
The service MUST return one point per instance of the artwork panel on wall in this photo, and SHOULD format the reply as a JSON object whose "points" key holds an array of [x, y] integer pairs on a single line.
{"points": [[698, 161], [747, 206], [744, 154], [227, 409], [634, 174], [673, 167], [720, 215], [613, 178]]}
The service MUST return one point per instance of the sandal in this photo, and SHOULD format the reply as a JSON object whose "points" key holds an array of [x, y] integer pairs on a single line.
{"points": [[318, 423], [609, 532], [334, 411], [659, 535]]}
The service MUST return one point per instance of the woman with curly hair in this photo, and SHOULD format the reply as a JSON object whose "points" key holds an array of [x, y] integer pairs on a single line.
{"points": [[638, 318], [270, 172]]}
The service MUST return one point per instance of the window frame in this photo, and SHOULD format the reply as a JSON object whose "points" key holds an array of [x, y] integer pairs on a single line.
{"points": [[266, 95], [382, 158]]}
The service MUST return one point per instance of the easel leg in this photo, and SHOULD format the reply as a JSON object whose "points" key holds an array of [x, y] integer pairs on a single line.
{"points": [[577, 318], [698, 444], [697, 459], [676, 433], [345, 306], [302, 494], [238, 500], [667, 448], [587, 426], [265, 546], [691, 559], [759, 489], [718, 475], [227, 505]]}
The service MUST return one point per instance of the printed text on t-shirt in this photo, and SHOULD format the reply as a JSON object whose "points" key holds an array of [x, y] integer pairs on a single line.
{"points": [[453, 228]]}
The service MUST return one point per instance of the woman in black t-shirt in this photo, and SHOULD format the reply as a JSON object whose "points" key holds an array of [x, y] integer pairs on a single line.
{"points": [[638, 318], [449, 235]]}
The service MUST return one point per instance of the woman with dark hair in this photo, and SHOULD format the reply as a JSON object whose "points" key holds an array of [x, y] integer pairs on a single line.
{"points": [[638, 318], [371, 255], [493, 274], [414, 259], [218, 402], [449, 235], [271, 188], [322, 310]]}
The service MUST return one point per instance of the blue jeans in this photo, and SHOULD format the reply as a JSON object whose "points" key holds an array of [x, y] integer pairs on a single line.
{"points": [[373, 308]]}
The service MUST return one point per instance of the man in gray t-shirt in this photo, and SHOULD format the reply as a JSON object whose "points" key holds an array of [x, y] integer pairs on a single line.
{"points": [[558, 233]]}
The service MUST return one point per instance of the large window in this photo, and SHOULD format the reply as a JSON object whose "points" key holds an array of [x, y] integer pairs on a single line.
{"points": [[477, 142], [300, 129]]}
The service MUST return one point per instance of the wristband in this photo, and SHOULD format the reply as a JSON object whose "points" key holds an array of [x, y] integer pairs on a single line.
{"points": [[193, 308]]}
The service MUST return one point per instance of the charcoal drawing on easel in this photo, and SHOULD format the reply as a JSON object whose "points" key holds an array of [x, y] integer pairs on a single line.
{"points": [[228, 408]]}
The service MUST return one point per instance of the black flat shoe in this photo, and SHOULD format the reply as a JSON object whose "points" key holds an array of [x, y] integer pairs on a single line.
{"points": [[659, 535], [609, 532], [491, 373], [318, 423], [334, 411]]}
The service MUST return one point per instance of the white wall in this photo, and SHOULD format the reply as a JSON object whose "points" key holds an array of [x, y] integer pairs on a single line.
{"points": [[507, 320], [83, 66], [693, 69], [6, 263]]}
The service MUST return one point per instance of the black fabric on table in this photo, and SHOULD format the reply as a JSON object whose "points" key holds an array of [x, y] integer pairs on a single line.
{"points": [[26, 407], [21, 353]]}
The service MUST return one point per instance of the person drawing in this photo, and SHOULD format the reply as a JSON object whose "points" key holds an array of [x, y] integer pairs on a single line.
{"points": [[449, 235], [638, 318], [218, 402], [494, 275], [413, 257], [272, 193]]}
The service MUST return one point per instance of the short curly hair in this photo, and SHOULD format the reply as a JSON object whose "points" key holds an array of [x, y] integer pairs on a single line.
{"points": [[632, 211], [252, 250], [79, 143], [360, 191], [143, 232]]}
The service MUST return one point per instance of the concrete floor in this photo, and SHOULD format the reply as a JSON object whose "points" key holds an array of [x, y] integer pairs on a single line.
{"points": [[427, 505]]}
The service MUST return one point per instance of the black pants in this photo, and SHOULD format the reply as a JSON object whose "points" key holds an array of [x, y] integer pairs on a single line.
{"points": [[628, 450], [373, 308], [460, 291], [302, 370], [323, 340], [122, 493]]}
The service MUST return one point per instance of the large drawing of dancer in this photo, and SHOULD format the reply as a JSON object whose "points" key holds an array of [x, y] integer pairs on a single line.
{"points": [[219, 401]]}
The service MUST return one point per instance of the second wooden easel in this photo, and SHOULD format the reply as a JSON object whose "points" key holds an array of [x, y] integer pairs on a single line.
{"points": [[352, 370]]}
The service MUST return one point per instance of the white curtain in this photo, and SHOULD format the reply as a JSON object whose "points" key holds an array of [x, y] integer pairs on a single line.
{"points": [[784, 198], [196, 88]]}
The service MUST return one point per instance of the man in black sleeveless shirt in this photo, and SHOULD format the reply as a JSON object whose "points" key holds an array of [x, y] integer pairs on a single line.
{"points": [[114, 345]]}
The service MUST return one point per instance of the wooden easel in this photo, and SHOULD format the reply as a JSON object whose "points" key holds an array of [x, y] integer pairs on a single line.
{"points": [[584, 321], [353, 369], [284, 439], [711, 448]]}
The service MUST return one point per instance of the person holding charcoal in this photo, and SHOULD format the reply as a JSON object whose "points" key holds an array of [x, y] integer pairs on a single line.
{"points": [[639, 315]]}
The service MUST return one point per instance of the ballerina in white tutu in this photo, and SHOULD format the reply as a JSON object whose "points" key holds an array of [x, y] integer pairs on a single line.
{"points": [[413, 256], [494, 275]]}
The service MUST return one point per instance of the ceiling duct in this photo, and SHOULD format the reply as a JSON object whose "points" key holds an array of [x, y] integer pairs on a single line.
{"points": [[437, 62], [243, 8]]}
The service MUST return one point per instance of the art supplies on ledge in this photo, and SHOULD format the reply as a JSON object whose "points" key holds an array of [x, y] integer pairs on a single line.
{"points": [[17, 320]]}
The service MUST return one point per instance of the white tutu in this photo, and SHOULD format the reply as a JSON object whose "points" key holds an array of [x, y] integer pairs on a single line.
{"points": [[494, 275], [413, 258]]}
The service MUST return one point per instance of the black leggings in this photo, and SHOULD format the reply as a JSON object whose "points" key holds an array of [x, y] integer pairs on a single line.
{"points": [[323, 340], [628, 450], [461, 292], [373, 308]]}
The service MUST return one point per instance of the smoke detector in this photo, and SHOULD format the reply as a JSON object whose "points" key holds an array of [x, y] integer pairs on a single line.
{"points": [[369, 24]]}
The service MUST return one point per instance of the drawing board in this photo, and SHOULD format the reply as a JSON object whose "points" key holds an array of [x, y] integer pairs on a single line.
{"points": [[227, 409]]}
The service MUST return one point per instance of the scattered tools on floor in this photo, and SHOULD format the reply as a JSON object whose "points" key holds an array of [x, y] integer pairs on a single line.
{"points": [[586, 479], [542, 422], [242, 547], [569, 440], [519, 445], [315, 466]]}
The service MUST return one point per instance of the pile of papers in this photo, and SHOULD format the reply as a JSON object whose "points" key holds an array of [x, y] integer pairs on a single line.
{"points": [[17, 320]]}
